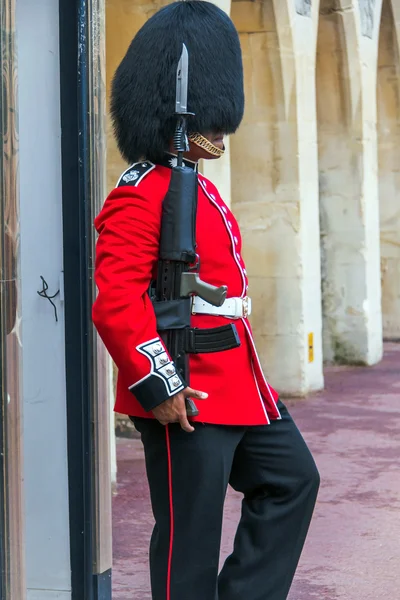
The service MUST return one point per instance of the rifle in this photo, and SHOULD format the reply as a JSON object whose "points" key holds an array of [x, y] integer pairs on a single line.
{"points": [[178, 266]]}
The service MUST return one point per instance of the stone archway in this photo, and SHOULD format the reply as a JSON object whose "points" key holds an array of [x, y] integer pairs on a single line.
{"points": [[260, 168], [337, 159], [258, 157], [348, 242], [269, 194], [388, 101]]}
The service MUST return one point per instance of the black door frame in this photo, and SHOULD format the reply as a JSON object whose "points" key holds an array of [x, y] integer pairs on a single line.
{"points": [[77, 226], [3, 389], [3, 342]]}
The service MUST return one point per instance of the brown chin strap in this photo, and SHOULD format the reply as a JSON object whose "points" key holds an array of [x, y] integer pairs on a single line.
{"points": [[202, 142]]}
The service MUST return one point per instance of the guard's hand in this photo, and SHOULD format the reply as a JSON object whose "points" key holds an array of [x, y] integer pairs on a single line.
{"points": [[173, 410]]}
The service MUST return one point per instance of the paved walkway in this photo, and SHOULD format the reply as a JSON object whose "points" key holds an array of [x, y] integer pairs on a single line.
{"points": [[353, 549]]}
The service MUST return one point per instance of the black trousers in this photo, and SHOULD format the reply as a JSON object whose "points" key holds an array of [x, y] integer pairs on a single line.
{"points": [[188, 475]]}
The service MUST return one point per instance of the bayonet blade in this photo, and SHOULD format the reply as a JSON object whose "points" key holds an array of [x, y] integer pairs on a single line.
{"points": [[182, 80]]}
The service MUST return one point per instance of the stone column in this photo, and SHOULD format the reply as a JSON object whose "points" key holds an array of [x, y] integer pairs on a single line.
{"points": [[123, 19], [275, 191], [346, 84], [389, 169], [219, 171]]}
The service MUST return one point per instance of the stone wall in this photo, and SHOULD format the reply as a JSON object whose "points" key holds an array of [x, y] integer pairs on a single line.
{"points": [[302, 174], [389, 171], [272, 195], [344, 141]]}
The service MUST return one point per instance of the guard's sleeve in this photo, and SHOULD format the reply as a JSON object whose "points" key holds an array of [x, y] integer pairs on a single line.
{"points": [[126, 255]]}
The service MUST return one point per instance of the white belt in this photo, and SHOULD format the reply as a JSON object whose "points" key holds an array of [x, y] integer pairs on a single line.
{"points": [[236, 308]]}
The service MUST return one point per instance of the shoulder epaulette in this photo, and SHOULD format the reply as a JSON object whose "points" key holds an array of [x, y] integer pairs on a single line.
{"points": [[135, 173]]}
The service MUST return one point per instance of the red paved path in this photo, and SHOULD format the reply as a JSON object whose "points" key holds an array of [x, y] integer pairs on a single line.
{"points": [[353, 550]]}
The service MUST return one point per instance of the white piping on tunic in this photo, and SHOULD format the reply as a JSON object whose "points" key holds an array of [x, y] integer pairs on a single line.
{"points": [[145, 174], [153, 371], [222, 213], [259, 366], [121, 176], [260, 395], [141, 162], [131, 387]]}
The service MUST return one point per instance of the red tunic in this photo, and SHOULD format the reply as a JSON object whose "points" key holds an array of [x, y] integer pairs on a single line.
{"points": [[126, 260]]}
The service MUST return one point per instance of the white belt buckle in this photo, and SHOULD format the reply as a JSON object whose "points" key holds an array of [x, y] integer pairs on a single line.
{"points": [[234, 308], [246, 307]]}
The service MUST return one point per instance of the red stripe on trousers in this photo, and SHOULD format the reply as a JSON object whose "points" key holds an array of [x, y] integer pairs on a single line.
{"points": [[171, 514]]}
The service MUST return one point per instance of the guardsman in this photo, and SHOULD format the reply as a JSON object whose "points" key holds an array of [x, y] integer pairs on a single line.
{"points": [[243, 435]]}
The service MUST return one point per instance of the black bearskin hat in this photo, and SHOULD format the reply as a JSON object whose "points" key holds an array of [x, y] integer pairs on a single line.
{"points": [[144, 85]]}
